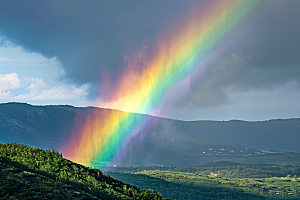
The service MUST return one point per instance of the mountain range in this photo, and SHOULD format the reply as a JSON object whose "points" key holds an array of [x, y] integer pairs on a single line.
{"points": [[169, 142]]}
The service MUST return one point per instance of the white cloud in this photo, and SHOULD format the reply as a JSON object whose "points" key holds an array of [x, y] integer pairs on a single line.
{"points": [[35, 82], [31, 60], [3, 59], [37, 90], [54, 93], [9, 81], [5, 95]]}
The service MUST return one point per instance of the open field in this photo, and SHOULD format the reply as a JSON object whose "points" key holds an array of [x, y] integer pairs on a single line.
{"points": [[181, 185]]}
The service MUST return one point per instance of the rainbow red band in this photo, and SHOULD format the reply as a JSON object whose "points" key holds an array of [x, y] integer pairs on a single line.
{"points": [[140, 89]]}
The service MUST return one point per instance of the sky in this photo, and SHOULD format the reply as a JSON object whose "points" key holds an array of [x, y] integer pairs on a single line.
{"points": [[76, 53]]}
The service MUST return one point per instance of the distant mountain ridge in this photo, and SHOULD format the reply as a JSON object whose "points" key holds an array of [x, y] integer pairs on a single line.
{"points": [[169, 142]]}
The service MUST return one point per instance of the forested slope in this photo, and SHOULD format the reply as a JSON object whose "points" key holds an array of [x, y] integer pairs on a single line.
{"points": [[32, 173]]}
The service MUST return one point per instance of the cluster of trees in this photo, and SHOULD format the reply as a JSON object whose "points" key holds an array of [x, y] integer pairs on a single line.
{"points": [[191, 186], [256, 171], [27, 172], [227, 169]]}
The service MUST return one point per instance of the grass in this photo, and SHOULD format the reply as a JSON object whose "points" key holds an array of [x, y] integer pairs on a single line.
{"points": [[181, 185]]}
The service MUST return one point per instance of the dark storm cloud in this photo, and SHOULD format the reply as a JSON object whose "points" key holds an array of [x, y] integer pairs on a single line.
{"points": [[266, 57], [274, 56], [278, 36], [203, 97], [90, 39]]}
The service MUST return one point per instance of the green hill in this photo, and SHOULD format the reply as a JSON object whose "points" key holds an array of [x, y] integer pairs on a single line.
{"points": [[32, 173]]}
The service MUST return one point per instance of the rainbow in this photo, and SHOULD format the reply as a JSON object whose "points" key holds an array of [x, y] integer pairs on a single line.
{"points": [[180, 52]]}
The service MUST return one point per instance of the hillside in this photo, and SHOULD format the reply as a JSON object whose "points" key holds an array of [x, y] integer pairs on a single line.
{"points": [[32, 173], [161, 141]]}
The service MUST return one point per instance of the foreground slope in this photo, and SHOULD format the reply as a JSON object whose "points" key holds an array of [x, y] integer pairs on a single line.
{"points": [[32, 173]]}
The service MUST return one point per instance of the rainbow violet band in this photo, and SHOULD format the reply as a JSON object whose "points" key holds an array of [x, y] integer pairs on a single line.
{"points": [[140, 89]]}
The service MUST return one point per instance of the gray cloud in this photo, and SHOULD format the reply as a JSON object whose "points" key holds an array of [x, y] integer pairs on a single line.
{"points": [[203, 97], [90, 39], [275, 50], [267, 57], [86, 37]]}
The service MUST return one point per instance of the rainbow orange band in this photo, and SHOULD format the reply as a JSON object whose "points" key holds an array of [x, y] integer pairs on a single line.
{"points": [[140, 89]]}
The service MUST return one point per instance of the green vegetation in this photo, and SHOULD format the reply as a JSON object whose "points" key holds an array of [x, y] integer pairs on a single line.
{"points": [[224, 168], [182, 185], [228, 169], [32, 173]]}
